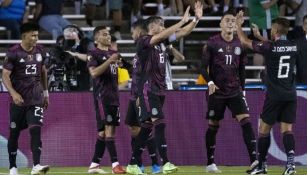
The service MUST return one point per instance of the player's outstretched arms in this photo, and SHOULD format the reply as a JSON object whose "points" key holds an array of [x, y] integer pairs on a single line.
{"points": [[198, 10], [17, 99], [97, 71], [243, 38], [170, 30]]}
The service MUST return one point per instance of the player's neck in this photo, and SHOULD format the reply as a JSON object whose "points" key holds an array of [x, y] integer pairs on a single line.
{"points": [[103, 47], [26, 47], [227, 37]]}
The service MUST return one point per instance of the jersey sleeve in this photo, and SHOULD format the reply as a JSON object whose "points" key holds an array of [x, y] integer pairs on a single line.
{"points": [[261, 47], [91, 60], [9, 60]]}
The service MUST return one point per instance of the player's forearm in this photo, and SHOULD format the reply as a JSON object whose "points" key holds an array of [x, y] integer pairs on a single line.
{"points": [[80, 56], [97, 71], [7, 82], [38, 11], [166, 33], [177, 55], [243, 38], [186, 30]]}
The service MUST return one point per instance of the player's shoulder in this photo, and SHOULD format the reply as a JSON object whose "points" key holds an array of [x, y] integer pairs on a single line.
{"points": [[14, 48], [215, 38]]}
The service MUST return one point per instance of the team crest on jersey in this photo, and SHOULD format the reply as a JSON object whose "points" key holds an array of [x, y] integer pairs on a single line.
{"points": [[38, 57], [237, 50]]}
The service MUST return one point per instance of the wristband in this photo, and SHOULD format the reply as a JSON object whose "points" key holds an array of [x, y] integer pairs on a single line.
{"points": [[210, 82], [46, 94]]}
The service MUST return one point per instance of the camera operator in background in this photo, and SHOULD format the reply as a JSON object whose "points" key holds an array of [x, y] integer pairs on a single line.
{"points": [[67, 71]]}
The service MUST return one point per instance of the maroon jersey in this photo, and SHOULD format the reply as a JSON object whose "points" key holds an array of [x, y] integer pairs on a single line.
{"points": [[226, 61], [152, 60], [106, 85], [26, 72]]}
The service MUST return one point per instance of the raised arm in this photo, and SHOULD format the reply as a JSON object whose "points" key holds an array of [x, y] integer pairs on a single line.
{"points": [[243, 38], [198, 10], [257, 34], [170, 30]]}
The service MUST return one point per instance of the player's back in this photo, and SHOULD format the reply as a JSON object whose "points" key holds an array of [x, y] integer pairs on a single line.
{"points": [[280, 63]]}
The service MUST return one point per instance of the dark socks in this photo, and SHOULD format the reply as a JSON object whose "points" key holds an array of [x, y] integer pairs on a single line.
{"points": [[140, 144], [289, 144], [264, 142], [110, 144], [210, 143], [12, 146], [99, 149], [151, 146], [160, 139], [249, 138], [36, 143]]}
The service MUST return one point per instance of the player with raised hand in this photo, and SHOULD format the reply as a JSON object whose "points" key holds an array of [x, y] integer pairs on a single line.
{"points": [[151, 51], [280, 101]]}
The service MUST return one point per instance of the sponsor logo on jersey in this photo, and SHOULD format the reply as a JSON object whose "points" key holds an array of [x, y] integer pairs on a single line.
{"points": [[237, 50], [21, 60], [220, 50]]}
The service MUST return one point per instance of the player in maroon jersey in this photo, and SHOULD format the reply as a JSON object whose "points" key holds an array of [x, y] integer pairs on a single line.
{"points": [[102, 65], [224, 58], [25, 77]]}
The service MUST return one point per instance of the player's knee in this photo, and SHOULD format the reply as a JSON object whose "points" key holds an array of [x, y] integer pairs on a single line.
{"points": [[285, 127], [101, 134], [242, 117], [110, 131], [244, 121], [134, 130], [213, 127], [14, 133], [214, 122]]}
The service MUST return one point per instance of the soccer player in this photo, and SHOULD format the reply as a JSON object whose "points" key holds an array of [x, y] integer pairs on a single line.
{"points": [[132, 117], [224, 57], [102, 64], [280, 102], [151, 52], [25, 77]]}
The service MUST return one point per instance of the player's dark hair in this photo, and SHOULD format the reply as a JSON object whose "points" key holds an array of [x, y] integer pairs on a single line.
{"points": [[140, 23], [228, 13], [97, 29], [28, 27], [152, 19], [283, 25], [305, 17]]}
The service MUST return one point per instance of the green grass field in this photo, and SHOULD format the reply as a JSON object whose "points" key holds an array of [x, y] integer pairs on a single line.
{"points": [[184, 170]]}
